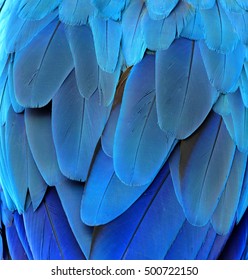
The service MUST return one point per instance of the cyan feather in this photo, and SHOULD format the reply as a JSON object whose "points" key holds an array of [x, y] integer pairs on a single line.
{"points": [[160, 9]]}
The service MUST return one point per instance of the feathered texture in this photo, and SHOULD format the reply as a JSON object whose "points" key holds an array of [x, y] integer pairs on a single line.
{"points": [[123, 129]]}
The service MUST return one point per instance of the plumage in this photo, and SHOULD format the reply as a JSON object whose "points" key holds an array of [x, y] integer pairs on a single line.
{"points": [[223, 69], [159, 34], [160, 9], [76, 134], [137, 121], [123, 129], [48, 232], [205, 153], [24, 177], [75, 12], [97, 206], [133, 45], [176, 96], [49, 51]]}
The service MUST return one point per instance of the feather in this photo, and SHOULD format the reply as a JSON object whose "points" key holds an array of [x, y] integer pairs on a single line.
{"points": [[75, 12], [133, 46], [160, 9], [180, 249], [243, 4], [200, 4], [181, 76], [220, 35], [4, 98], [107, 37], [77, 125], [193, 30], [70, 193], [110, 8], [230, 6], [37, 9], [236, 247], [239, 115], [159, 34], [81, 42], [108, 136], [209, 152], [98, 206], [224, 214], [7, 187], [243, 84], [41, 67], [222, 106], [223, 69], [136, 226], [240, 24], [39, 135], [23, 171], [132, 142], [108, 83], [49, 233], [20, 229], [11, 90], [19, 32], [243, 202], [15, 247]]}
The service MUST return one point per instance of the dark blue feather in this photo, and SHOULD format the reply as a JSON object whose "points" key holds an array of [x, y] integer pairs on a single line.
{"points": [[48, 232]]}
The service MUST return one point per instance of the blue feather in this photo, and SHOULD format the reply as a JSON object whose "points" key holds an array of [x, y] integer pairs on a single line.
{"points": [[19, 225], [15, 247], [132, 142], [223, 69], [193, 30], [75, 12], [168, 29], [37, 9], [225, 213], [41, 67], [81, 42], [11, 90], [160, 9], [39, 135], [209, 152], [20, 32], [23, 176], [207, 4], [98, 206], [48, 232], [70, 194], [77, 133], [108, 136], [243, 84], [239, 120], [236, 247], [110, 8], [177, 96], [220, 35], [107, 37], [133, 46], [243, 203]]}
